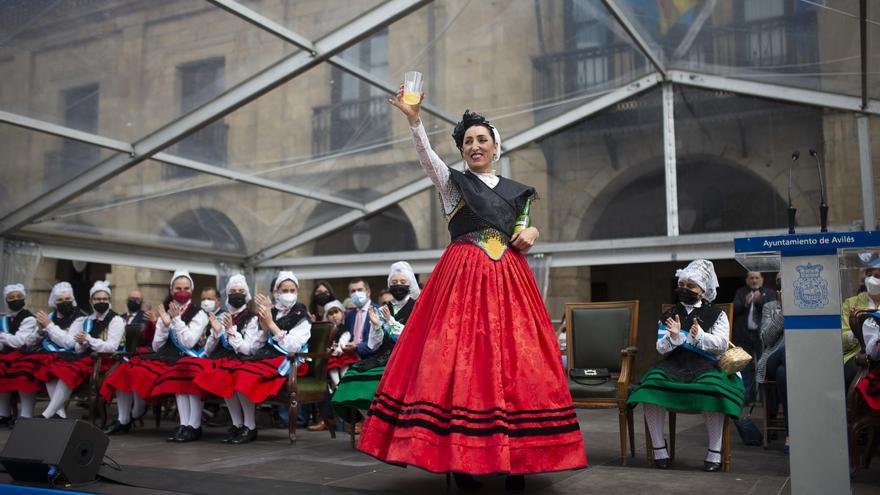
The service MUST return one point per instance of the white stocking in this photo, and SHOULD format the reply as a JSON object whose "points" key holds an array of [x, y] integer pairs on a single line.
{"points": [[234, 406], [334, 377], [61, 393], [123, 407], [655, 416], [183, 408], [140, 406], [249, 409], [715, 430], [195, 411], [27, 401]]}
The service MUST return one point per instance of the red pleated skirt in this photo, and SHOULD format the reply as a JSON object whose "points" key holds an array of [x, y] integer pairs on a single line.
{"points": [[475, 383], [257, 379], [73, 372], [869, 387], [136, 375], [180, 378], [21, 371], [344, 359]]}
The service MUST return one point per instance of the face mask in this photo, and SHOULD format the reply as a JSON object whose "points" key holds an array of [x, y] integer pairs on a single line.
{"points": [[182, 296], [687, 296], [323, 298], [236, 300], [15, 305], [399, 291], [64, 308], [101, 307], [287, 300], [133, 305], [208, 305], [359, 299], [872, 285]]}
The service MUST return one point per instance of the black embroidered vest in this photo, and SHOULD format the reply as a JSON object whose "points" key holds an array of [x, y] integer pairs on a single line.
{"points": [[683, 364], [383, 353]]}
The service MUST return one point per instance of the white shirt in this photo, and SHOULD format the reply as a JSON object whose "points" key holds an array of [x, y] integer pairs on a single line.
{"points": [[713, 341], [296, 337], [871, 332], [115, 333], [253, 339], [187, 335], [27, 335]]}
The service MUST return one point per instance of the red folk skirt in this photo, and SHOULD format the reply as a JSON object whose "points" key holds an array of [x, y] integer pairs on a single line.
{"points": [[70, 368], [180, 378], [138, 375], [869, 387], [257, 379], [475, 383], [20, 371], [344, 359]]}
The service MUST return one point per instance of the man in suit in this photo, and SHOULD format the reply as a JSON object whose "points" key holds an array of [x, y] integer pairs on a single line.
{"points": [[357, 321], [748, 304], [134, 305]]}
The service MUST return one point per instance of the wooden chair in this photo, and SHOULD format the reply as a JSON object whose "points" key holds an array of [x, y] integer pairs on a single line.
{"points": [[774, 423], [603, 335], [88, 392], [726, 452], [860, 416]]}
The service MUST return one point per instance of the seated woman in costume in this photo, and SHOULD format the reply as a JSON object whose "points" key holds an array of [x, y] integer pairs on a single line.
{"points": [[101, 331], [692, 335], [19, 342]]}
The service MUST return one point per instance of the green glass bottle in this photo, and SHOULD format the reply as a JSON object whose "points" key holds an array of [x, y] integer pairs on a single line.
{"points": [[523, 221]]}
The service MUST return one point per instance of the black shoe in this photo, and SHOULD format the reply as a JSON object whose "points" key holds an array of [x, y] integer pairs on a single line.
{"points": [[177, 432], [245, 435], [662, 463], [117, 427], [5, 420], [466, 482], [231, 433], [515, 483], [11, 423], [189, 434], [711, 467]]}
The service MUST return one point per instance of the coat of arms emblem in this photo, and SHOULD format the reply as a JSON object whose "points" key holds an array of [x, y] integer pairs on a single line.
{"points": [[810, 289]]}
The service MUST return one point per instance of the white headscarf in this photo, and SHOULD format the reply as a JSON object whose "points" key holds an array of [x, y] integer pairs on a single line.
{"points": [[497, 135], [285, 275], [333, 304], [702, 273], [237, 280], [9, 289], [100, 286], [404, 268], [57, 290], [182, 273]]}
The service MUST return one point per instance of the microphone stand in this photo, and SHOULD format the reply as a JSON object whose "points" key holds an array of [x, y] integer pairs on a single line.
{"points": [[792, 211], [823, 205]]}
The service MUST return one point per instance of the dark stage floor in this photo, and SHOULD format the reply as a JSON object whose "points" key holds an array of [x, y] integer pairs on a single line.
{"points": [[317, 465]]}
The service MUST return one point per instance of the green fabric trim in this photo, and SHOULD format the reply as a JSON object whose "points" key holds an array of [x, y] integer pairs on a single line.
{"points": [[713, 391], [356, 391]]}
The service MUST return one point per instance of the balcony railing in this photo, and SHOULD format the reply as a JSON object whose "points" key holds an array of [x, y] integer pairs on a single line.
{"points": [[350, 124]]}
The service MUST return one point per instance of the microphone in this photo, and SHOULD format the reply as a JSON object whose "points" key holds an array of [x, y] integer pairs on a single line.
{"points": [[823, 206], [792, 211]]}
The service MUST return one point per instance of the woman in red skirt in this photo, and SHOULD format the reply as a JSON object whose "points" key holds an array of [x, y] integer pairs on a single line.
{"points": [[57, 339], [139, 375], [475, 384], [102, 331], [238, 337], [19, 341], [262, 366]]}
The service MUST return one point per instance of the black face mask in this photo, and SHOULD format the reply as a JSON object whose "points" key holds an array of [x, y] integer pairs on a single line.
{"points": [[323, 298], [399, 291], [686, 296], [64, 308], [101, 307], [15, 305], [133, 305], [236, 300]]}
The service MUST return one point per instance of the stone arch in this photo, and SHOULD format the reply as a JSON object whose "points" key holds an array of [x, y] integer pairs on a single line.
{"points": [[206, 227]]}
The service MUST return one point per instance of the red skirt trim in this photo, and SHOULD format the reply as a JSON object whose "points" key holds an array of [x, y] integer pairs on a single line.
{"points": [[346, 359], [136, 375], [180, 377], [74, 372], [475, 384], [21, 371], [869, 387]]}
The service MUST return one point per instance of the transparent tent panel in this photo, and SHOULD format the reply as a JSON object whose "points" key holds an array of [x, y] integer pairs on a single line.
{"points": [[602, 178], [34, 163], [873, 29], [158, 205], [122, 69], [733, 159], [798, 43], [302, 135], [531, 61], [312, 20]]}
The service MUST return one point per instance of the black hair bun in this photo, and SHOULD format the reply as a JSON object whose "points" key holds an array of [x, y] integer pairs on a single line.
{"points": [[468, 120]]}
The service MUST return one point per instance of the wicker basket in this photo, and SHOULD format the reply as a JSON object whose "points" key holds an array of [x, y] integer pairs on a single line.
{"points": [[734, 360]]}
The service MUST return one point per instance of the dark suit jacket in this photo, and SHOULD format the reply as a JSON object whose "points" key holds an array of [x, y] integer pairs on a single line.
{"points": [[350, 317], [741, 311]]}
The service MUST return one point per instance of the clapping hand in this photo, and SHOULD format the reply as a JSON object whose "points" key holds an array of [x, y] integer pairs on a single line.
{"points": [[386, 312], [216, 326], [151, 316], [695, 328], [163, 315], [80, 338], [674, 326], [374, 316], [43, 319]]}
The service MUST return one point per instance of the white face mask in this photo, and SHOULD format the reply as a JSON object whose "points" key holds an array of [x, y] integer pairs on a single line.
{"points": [[287, 300], [359, 299], [873, 285], [209, 305]]}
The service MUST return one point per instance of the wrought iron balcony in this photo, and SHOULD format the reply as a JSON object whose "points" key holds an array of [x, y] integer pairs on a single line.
{"points": [[350, 124]]}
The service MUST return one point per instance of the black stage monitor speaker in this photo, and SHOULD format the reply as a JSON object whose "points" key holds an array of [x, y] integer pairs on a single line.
{"points": [[75, 449]]}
